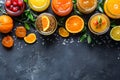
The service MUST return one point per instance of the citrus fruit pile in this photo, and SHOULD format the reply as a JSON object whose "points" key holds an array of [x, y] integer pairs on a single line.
{"points": [[46, 23]]}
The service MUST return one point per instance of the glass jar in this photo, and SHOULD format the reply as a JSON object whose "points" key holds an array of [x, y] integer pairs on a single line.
{"points": [[86, 6], [51, 24], [62, 7], [99, 24], [39, 5]]}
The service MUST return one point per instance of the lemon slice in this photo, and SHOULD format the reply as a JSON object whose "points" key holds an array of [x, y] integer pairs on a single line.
{"points": [[30, 38], [63, 32], [39, 5], [115, 33], [45, 23]]}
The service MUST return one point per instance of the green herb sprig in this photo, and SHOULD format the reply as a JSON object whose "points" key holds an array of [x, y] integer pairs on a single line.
{"points": [[100, 6], [85, 36]]}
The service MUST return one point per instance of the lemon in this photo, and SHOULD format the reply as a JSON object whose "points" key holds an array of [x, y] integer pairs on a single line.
{"points": [[115, 33], [39, 5]]}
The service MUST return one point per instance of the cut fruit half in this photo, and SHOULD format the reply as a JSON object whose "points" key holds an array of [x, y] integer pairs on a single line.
{"points": [[115, 33], [63, 32], [30, 38], [45, 23], [74, 24]]}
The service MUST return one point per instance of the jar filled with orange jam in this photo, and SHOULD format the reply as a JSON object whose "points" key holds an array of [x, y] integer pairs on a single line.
{"points": [[62, 7], [112, 8], [99, 24], [86, 6]]}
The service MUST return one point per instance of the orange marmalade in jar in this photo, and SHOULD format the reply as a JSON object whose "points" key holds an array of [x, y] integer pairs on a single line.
{"points": [[86, 6], [62, 7]]}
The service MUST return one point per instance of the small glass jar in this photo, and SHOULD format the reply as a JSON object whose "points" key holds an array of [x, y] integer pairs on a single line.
{"points": [[39, 5], [62, 7], [112, 8], [52, 24], [99, 24], [14, 8], [86, 6]]}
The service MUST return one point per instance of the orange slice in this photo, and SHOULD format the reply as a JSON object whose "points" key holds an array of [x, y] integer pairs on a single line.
{"points": [[115, 33], [63, 32], [30, 38], [45, 23], [74, 24]]}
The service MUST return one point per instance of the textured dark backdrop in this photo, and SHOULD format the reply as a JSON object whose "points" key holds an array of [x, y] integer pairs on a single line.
{"points": [[56, 58]]}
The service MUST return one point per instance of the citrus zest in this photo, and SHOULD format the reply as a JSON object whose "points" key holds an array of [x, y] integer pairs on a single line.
{"points": [[63, 32], [45, 23], [30, 38]]}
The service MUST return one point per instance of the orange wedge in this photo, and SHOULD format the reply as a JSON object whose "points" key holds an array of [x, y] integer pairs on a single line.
{"points": [[30, 38], [74, 24], [63, 32], [45, 23]]}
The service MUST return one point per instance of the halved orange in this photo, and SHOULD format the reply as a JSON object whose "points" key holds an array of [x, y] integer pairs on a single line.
{"points": [[45, 23], [63, 32], [74, 24], [30, 38], [112, 8], [115, 33]]}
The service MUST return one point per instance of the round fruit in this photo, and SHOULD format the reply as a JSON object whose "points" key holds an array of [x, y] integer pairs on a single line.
{"points": [[15, 9], [20, 32], [7, 41], [15, 3], [45, 23], [74, 24], [112, 8], [62, 7], [63, 32], [39, 5], [6, 24], [8, 3], [20, 3], [30, 38], [115, 33]]}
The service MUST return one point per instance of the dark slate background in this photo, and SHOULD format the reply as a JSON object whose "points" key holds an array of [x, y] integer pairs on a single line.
{"points": [[57, 58]]}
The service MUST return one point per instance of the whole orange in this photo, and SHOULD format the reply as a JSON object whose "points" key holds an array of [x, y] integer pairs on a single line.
{"points": [[6, 24]]}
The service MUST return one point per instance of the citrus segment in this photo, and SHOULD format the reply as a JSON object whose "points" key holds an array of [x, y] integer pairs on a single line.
{"points": [[30, 38], [115, 33], [63, 32], [74, 24], [45, 23]]}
